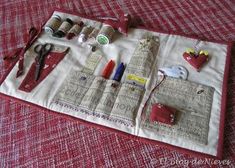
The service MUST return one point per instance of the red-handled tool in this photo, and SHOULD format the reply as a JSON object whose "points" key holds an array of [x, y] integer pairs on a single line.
{"points": [[108, 69]]}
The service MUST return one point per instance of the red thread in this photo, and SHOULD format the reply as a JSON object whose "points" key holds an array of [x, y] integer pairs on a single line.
{"points": [[145, 104]]}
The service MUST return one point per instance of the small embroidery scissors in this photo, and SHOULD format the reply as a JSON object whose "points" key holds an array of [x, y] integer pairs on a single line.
{"points": [[42, 50]]}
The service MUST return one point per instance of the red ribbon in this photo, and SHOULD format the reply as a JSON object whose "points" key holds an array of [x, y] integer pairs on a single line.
{"points": [[32, 36], [121, 24]]}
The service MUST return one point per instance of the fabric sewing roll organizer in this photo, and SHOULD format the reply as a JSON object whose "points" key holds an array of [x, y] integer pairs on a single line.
{"points": [[150, 86]]}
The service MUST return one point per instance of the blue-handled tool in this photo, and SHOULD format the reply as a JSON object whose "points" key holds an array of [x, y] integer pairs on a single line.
{"points": [[119, 72]]}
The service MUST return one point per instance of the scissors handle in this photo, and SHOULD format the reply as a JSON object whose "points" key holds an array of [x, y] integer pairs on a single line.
{"points": [[47, 48], [38, 48], [43, 49]]}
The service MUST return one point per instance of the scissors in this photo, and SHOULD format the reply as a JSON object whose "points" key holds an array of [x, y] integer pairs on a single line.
{"points": [[42, 50]]}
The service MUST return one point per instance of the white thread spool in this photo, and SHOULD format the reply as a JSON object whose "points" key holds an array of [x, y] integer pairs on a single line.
{"points": [[94, 33], [53, 24], [84, 34], [105, 35]]}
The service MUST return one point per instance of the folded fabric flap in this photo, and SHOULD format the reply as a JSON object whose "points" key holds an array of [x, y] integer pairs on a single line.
{"points": [[51, 61]]}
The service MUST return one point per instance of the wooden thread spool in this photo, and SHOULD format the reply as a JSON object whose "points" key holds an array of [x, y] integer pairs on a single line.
{"points": [[53, 24]]}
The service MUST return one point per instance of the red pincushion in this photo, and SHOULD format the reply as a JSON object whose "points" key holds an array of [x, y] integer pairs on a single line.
{"points": [[162, 113]]}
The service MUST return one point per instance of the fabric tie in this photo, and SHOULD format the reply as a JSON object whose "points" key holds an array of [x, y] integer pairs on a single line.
{"points": [[32, 36]]}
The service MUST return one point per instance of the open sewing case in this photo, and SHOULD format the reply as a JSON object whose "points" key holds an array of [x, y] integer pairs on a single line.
{"points": [[127, 107]]}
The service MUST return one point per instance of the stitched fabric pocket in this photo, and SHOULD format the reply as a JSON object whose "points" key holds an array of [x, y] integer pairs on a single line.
{"points": [[73, 89], [94, 93], [143, 58], [193, 103], [108, 98], [127, 103]]}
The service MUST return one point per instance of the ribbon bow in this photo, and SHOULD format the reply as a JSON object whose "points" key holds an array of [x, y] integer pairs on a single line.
{"points": [[19, 52]]}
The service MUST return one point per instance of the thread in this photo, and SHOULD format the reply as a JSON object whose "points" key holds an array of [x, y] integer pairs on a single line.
{"points": [[94, 33], [84, 34], [53, 24], [64, 28], [75, 30], [105, 35]]}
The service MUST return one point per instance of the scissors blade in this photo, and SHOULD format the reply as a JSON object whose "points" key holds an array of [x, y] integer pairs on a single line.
{"points": [[37, 72]]}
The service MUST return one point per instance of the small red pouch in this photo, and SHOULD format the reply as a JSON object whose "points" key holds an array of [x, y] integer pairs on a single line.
{"points": [[51, 61], [162, 113]]}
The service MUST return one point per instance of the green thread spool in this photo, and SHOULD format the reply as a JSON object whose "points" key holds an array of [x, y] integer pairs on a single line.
{"points": [[105, 35]]}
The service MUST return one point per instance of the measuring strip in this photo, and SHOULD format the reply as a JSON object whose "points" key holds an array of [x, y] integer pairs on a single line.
{"points": [[92, 62]]}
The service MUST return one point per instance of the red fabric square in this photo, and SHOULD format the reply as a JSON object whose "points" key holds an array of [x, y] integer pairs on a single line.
{"points": [[162, 113]]}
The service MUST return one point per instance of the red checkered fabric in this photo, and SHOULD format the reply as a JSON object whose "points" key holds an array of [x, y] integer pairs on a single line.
{"points": [[30, 137]]}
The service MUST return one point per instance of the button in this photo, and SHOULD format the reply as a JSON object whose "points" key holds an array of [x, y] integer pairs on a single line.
{"points": [[132, 89], [114, 85], [83, 78], [175, 71], [200, 91]]}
